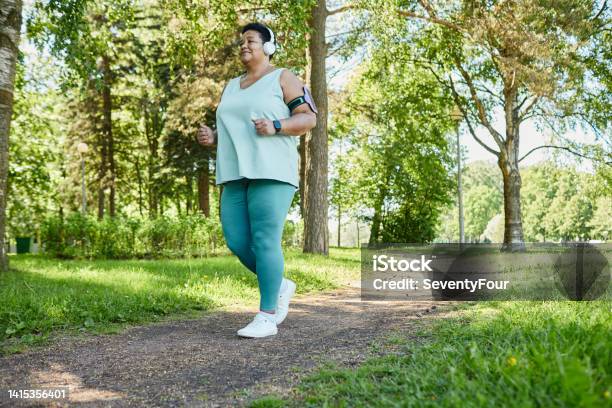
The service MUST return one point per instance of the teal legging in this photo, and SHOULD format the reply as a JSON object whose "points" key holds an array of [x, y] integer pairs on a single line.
{"points": [[253, 213]]}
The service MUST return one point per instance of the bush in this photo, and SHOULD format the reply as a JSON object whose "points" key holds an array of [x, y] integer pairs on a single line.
{"points": [[79, 236]]}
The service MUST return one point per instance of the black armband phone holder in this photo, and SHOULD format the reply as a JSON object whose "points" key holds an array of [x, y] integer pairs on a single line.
{"points": [[300, 100]]}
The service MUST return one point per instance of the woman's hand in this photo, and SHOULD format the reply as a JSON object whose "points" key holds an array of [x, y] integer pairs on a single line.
{"points": [[264, 127], [206, 136]]}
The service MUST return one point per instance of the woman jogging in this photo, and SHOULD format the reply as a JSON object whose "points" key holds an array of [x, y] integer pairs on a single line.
{"points": [[259, 115]]}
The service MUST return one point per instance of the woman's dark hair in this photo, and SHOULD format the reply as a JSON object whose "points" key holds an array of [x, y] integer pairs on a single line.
{"points": [[263, 31]]}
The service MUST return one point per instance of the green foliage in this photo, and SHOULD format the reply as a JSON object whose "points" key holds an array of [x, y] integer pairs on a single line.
{"points": [[164, 64], [208, 26], [561, 203], [80, 32], [509, 62], [481, 204], [482, 198], [538, 191], [343, 185], [557, 202], [600, 225], [77, 236], [169, 60], [555, 51], [398, 160], [268, 402], [510, 354], [32, 149], [293, 234]]}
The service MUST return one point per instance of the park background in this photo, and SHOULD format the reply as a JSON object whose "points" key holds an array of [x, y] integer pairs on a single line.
{"points": [[133, 81], [103, 164]]}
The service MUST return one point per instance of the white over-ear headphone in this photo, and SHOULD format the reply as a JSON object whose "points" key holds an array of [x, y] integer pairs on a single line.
{"points": [[269, 47]]}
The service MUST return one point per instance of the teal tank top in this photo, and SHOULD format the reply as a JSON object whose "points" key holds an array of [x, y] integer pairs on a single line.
{"points": [[241, 152]]}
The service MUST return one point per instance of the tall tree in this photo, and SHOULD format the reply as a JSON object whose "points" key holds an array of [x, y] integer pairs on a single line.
{"points": [[314, 149], [316, 234], [526, 59], [88, 37], [10, 29]]}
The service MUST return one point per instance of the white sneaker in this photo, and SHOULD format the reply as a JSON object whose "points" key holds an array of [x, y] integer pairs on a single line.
{"points": [[284, 297], [263, 325]]}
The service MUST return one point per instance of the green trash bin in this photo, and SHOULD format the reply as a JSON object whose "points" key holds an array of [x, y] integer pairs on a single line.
{"points": [[23, 244]]}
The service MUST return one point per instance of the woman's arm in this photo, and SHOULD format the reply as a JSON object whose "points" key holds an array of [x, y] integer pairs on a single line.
{"points": [[206, 135], [302, 118], [299, 123]]}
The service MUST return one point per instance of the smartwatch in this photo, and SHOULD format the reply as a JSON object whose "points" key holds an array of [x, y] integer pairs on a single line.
{"points": [[277, 125]]}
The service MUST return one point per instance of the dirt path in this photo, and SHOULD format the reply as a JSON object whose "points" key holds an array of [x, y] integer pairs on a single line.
{"points": [[201, 362]]}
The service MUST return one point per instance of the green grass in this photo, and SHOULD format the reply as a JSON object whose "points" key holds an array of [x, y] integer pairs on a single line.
{"points": [[42, 295], [510, 354]]}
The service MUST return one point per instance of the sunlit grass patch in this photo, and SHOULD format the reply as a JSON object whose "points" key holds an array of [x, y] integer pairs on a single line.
{"points": [[40, 295], [510, 354]]}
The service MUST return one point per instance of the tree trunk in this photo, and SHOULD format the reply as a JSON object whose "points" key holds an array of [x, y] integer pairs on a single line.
{"points": [[316, 236], [101, 174], [139, 177], [339, 222], [378, 209], [189, 198], [10, 27], [508, 163], [153, 146], [459, 189], [303, 142], [204, 190], [376, 221], [152, 190], [107, 130], [513, 228]]}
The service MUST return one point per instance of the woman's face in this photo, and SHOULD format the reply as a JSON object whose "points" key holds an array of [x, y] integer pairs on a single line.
{"points": [[251, 47]]}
